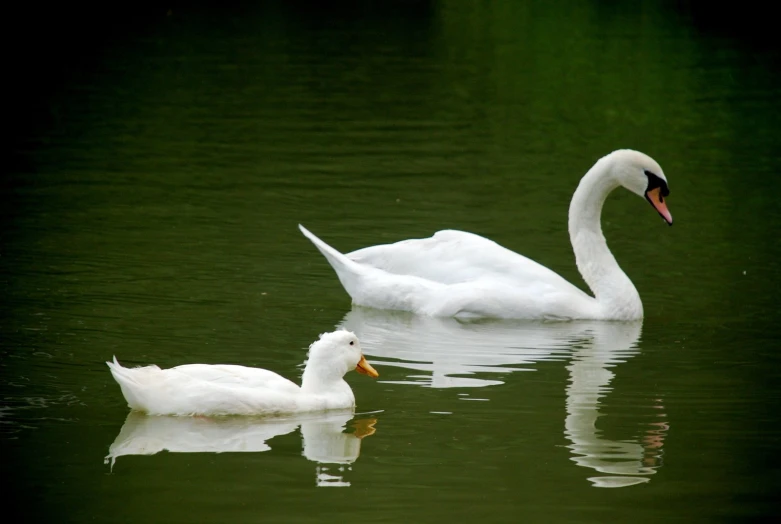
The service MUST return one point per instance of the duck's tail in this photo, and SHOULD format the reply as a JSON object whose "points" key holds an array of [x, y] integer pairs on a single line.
{"points": [[117, 371], [121, 374], [350, 273], [132, 382]]}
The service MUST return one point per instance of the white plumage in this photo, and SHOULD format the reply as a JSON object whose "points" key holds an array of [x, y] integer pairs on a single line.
{"points": [[201, 389], [459, 274]]}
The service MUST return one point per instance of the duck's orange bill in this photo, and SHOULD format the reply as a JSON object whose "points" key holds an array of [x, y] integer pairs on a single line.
{"points": [[365, 368]]}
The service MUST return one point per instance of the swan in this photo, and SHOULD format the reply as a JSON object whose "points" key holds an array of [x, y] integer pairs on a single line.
{"points": [[201, 389], [459, 274]]}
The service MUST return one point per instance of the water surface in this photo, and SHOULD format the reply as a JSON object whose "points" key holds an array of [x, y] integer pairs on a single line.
{"points": [[150, 212]]}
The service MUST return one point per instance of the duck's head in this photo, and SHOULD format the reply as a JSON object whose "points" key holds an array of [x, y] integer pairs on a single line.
{"points": [[341, 350], [641, 175]]}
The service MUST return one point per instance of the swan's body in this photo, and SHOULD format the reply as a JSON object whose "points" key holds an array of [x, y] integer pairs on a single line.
{"points": [[201, 389], [460, 274]]}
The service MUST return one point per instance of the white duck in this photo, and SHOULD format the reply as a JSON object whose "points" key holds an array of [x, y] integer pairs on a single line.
{"points": [[458, 274], [201, 389]]}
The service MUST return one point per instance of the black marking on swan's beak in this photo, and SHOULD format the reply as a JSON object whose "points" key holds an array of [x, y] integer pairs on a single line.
{"points": [[655, 192]]}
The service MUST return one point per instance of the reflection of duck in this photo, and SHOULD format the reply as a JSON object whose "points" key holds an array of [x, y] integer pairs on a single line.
{"points": [[325, 444], [324, 441], [447, 348]]}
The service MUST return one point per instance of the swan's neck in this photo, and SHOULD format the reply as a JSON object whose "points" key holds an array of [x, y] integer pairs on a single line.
{"points": [[613, 290]]}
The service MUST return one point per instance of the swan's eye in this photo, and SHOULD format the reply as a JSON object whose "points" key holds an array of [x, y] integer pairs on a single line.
{"points": [[654, 181], [351, 342]]}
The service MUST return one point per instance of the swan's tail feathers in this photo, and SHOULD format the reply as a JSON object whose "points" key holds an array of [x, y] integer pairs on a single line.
{"points": [[348, 271]]}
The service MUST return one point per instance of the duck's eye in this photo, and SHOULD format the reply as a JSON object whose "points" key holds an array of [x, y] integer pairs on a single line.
{"points": [[351, 342]]}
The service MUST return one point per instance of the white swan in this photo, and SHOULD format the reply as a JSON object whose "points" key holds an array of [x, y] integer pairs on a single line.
{"points": [[201, 389], [458, 274]]}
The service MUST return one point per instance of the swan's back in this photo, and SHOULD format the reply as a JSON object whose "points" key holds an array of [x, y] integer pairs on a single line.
{"points": [[456, 274], [455, 257]]}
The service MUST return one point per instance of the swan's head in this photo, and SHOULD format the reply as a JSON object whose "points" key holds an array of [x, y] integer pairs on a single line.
{"points": [[340, 350], [641, 175]]}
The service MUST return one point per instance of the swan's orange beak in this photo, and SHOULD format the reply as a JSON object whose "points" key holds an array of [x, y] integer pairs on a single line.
{"points": [[365, 368], [656, 199]]}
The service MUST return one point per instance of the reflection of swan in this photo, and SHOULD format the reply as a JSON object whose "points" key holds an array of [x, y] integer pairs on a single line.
{"points": [[324, 441], [447, 348], [458, 274], [589, 380]]}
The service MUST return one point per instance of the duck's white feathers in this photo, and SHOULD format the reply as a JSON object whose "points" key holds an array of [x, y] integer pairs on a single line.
{"points": [[201, 389], [238, 376]]}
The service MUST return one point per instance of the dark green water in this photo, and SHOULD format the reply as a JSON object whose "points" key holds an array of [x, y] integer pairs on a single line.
{"points": [[150, 209]]}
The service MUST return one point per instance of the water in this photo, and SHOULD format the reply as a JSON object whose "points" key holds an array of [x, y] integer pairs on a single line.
{"points": [[150, 212]]}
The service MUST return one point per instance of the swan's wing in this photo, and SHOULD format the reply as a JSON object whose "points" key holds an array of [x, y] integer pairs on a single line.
{"points": [[454, 274], [226, 374], [497, 297], [454, 257]]}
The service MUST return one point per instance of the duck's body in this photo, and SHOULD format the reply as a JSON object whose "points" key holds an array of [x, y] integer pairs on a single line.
{"points": [[455, 273], [201, 389]]}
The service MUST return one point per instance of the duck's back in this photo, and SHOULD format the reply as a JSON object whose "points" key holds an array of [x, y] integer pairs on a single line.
{"points": [[200, 389], [229, 374]]}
